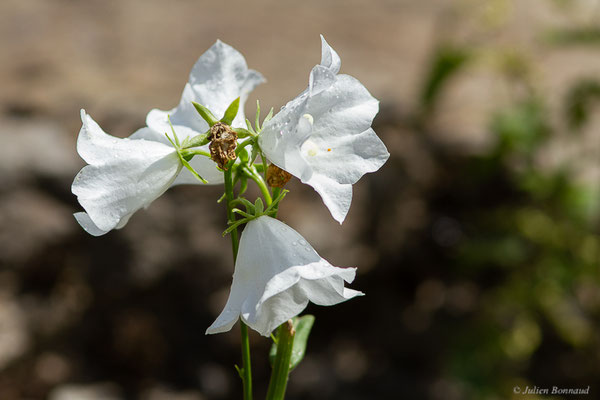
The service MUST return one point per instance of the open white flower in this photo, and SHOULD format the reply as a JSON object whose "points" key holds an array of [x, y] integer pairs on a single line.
{"points": [[276, 274], [324, 135], [220, 76], [123, 176]]}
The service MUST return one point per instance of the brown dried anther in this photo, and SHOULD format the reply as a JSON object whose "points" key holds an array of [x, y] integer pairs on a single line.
{"points": [[222, 144], [276, 177]]}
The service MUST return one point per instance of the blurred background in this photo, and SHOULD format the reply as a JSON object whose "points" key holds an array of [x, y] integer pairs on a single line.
{"points": [[477, 244]]}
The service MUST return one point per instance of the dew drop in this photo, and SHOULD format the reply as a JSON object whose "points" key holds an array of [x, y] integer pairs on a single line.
{"points": [[303, 242], [294, 243]]}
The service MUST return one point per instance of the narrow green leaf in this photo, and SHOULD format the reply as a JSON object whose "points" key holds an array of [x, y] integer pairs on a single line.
{"points": [[231, 112], [268, 117], [235, 225], [191, 169], [256, 123], [205, 114], [249, 126], [174, 134]]}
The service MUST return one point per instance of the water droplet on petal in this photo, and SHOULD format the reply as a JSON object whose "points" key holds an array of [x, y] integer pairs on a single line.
{"points": [[294, 243], [303, 242]]}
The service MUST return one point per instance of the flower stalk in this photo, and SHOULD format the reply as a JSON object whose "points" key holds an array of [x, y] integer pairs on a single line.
{"points": [[246, 370], [281, 366]]}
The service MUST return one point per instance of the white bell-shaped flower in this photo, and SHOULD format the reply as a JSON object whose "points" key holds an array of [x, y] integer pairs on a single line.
{"points": [[123, 176], [276, 274], [324, 136], [220, 76]]}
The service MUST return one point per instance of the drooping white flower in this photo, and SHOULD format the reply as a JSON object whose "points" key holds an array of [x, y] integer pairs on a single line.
{"points": [[276, 274], [123, 176], [220, 76], [324, 136]]}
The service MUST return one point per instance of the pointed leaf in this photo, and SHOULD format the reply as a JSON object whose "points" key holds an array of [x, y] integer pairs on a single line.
{"points": [[205, 114], [303, 325], [256, 123], [197, 141], [231, 112]]}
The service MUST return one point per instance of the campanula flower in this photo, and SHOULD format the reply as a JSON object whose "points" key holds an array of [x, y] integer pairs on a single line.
{"points": [[324, 136], [276, 274]]}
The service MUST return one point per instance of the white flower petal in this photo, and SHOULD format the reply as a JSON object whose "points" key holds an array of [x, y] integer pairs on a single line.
{"points": [[219, 77], [123, 176], [276, 274], [185, 119], [341, 147], [329, 57], [204, 166], [337, 197]]}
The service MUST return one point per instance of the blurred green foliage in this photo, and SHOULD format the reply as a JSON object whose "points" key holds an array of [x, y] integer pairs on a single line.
{"points": [[530, 242]]}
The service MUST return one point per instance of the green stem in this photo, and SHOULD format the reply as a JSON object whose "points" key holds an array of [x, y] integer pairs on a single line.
{"points": [[246, 371], [281, 366], [252, 174]]}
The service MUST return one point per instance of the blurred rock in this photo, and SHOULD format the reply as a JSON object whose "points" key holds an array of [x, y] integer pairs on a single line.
{"points": [[35, 148], [97, 391], [29, 221], [14, 336], [161, 393]]}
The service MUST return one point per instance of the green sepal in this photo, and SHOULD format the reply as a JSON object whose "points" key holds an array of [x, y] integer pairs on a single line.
{"points": [[183, 159], [275, 203], [196, 141], [191, 169], [243, 185], [231, 112], [248, 204], [259, 206], [189, 153], [268, 117], [256, 122], [254, 154], [242, 213], [243, 155], [302, 326], [249, 126], [206, 114], [243, 133], [236, 224]]}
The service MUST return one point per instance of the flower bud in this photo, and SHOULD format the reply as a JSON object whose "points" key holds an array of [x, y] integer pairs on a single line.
{"points": [[222, 144], [276, 177]]}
